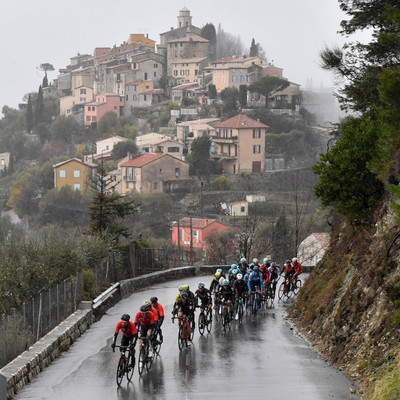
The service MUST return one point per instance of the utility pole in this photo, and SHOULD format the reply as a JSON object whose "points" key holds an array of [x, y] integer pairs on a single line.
{"points": [[191, 240]]}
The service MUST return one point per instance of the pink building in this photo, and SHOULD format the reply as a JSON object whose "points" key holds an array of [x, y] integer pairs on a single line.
{"points": [[104, 103], [200, 228]]}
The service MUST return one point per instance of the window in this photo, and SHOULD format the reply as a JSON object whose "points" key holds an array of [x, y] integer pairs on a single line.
{"points": [[94, 118], [175, 72], [233, 78], [155, 65], [223, 79], [77, 173], [177, 172], [3, 162], [82, 91], [182, 235], [215, 80], [82, 99], [62, 173], [173, 149], [196, 235], [242, 209], [77, 186], [88, 118], [155, 74], [155, 184], [161, 171], [145, 76], [256, 133], [256, 149]]}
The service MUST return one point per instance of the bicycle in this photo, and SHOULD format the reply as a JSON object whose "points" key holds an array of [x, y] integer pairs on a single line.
{"points": [[183, 332], [145, 359], [269, 295], [255, 306], [226, 316], [156, 341], [126, 363], [217, 308], [205, 320], [289, 287], [240, 309]]}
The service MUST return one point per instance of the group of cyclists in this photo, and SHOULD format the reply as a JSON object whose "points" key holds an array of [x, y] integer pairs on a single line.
{"points": [[148, 321], [241, 281]]}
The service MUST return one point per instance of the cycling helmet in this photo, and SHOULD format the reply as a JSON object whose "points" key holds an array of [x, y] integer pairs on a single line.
{"points": [[294, 259], [255, 260], [239, 276], [200, 285], [287, 262], [221, 280], [183, 288], [154, 299], [273, 264], [144, 309], [242, 260], [226, 282], [218, 275], [266, 261], [184, 295], [147, 303], [219, 270], [125, 317], [235, 271], [233, 266], [256, 269]]}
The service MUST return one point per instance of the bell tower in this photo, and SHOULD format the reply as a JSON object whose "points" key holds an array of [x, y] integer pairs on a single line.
{"points": [[184, 18]]}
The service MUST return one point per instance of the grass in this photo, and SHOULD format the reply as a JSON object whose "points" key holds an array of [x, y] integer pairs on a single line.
{"points": [[387, 383]]}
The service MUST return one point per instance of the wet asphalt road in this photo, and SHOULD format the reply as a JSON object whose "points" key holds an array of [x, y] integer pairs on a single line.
{"points": [[261, 359]]}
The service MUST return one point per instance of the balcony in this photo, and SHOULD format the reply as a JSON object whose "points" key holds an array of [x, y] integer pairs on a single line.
{"points": [[217, 139], [224, 156]]}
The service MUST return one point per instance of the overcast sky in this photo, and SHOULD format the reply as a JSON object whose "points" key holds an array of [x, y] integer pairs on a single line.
{"points": [[32, 32]]}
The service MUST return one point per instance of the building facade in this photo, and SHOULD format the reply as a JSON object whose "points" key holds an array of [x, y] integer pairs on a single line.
{"points": [[75, 173]]}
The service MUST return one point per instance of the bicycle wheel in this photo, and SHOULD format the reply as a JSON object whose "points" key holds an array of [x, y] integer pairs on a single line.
{"points": [[201, 323], [120, 369], [281, 291], [149, 357], [208, 320], [130, 366], [297, 287], [142, 360], [192, 326], [155, 345]]}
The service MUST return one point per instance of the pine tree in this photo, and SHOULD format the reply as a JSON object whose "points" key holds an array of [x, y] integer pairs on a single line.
{"points": [[39, 107], [29, 116]]}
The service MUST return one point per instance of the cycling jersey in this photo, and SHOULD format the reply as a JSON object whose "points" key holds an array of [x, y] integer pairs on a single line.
{"points": [[255, 279], [159, 310], [297, 268], [264, 271], [226, 292], [240, 288], [204, 297], [128, 330], [274, 273], [145, 320], [243, 267]]}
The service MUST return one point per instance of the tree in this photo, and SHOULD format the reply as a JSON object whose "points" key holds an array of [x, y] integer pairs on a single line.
{"points": [[228, 44], [220, 250], [230, 99], [208, 32], [267, 86], [199, 157], [281, 239], [66, 128], [109, 208], [243, 95], [212, 91], [253, 48], [39, 107], [107, 123], [29, 115], [121, 149]]}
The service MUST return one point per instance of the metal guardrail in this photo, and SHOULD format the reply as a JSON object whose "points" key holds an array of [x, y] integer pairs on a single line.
{"points": [[105, 295]]}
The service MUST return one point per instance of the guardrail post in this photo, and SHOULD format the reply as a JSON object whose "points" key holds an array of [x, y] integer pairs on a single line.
{"points": [[3, 387]]}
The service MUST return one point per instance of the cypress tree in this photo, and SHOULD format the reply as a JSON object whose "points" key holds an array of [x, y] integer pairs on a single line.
{"points": [[29, 116]]}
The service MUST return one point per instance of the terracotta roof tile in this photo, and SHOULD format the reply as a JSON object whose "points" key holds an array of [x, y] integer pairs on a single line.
{"points": [[240, 121]]}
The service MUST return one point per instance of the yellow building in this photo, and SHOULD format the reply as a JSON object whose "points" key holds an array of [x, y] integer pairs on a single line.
{"points": [[75, 173]]}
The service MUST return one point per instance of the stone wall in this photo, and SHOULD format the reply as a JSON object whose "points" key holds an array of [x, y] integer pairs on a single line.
{"points": [[22, 369]]}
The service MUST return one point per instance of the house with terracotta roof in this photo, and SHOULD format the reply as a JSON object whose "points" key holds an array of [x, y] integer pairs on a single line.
{"points": [[196, 228], [153, 173], [75, 173], [312, 248], [239, 144], [187, 131]]}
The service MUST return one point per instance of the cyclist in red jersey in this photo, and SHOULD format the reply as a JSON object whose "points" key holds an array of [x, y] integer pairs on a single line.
{"points": [[160, 313], [144, 321], [296, 267], [265, 272], [129, 333]]}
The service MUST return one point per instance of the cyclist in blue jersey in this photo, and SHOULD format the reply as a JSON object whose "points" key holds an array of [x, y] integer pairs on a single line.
{"points": [[255, 281]]}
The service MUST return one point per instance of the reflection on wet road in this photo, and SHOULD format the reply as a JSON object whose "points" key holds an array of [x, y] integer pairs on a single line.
{"points": [[261, 358]]}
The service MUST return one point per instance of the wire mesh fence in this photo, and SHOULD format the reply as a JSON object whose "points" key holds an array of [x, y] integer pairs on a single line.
{"points": [[28, 323]]}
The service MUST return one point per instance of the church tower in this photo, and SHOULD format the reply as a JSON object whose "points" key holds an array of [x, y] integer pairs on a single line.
{"points": [[184, 18]]}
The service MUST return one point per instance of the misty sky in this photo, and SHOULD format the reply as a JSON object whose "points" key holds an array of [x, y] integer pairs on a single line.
{"points": [[32, 32]]}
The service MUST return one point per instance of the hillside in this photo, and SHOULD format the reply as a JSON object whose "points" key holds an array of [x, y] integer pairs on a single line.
{"points": [[349, 308]]}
